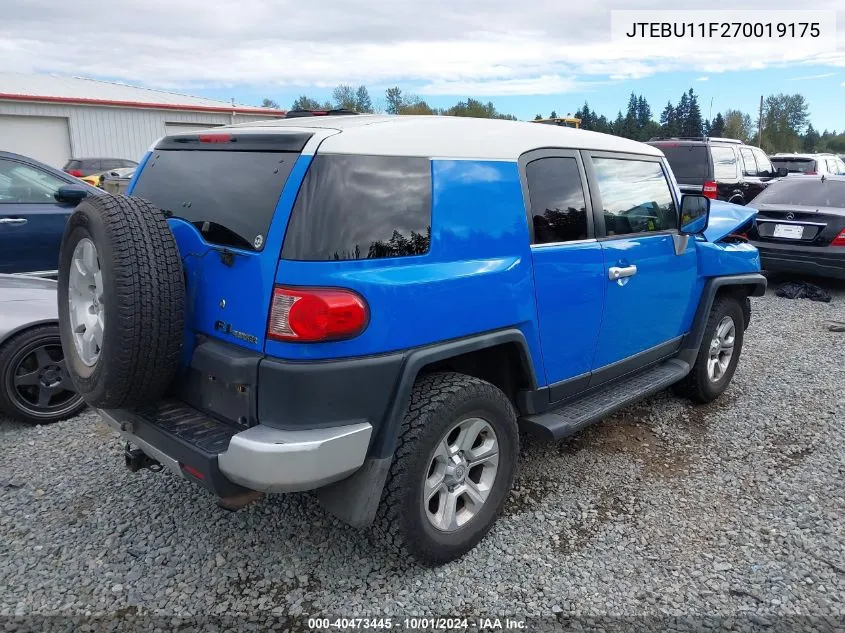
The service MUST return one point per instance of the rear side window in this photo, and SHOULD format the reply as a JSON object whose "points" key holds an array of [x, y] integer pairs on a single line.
{"points": [[689, 163], [361, 207], [724, 163], [796, 165], [749, 166], [558, 208], [635, 196], [73, 164]]}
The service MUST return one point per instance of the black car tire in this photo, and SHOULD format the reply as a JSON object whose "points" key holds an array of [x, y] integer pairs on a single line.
{"points": [[438, 401], [697, 385], [34, 387], [143, 295]]}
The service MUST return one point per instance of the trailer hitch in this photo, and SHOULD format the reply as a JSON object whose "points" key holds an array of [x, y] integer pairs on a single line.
{"points": [[136, 460]]}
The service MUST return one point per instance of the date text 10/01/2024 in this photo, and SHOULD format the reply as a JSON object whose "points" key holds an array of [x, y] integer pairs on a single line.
{"points": [[417, 623]]}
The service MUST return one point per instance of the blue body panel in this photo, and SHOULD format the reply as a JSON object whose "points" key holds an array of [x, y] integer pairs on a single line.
{"points": [[570, 282], [475, 278], [651, 307], [479, 275], [725, 217]]}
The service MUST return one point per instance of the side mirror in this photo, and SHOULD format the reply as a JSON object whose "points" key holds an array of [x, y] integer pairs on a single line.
{"points": [[782, 172], [695, 214], [70, 194]]}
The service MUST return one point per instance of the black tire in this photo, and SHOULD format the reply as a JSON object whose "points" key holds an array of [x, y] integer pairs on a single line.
{"points": [[697, 385], [143, 298], [438, 402], [34, 386]]}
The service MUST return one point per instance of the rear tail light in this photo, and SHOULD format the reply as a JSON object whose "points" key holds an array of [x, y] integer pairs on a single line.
{"points": [[75, 172], [193, 472], [811, 173], [709, 190], [839, 240], [309, 315]]}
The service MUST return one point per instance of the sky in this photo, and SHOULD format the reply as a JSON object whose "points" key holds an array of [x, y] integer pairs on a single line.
{"points": [[546, 56]]}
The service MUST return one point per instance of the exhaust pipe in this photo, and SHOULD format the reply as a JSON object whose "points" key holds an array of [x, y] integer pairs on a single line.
{"points": [[136, 460]]}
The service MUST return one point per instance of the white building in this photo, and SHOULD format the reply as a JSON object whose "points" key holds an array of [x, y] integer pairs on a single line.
{"points": [[53, 119]]}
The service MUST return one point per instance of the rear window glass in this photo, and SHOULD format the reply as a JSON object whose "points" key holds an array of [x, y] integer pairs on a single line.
{"points": [[795, 165], [361, 207], [689, 163], [804, 191], [724, 163], [229, 196]]}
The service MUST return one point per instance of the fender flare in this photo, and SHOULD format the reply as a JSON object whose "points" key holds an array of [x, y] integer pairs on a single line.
{"points": [[356, 498], [754, 282], [417, 359]]}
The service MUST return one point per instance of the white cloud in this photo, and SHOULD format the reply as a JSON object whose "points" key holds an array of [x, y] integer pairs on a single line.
{"points": [[434, 47], [543, 85], [703, 79], [808, 77]]}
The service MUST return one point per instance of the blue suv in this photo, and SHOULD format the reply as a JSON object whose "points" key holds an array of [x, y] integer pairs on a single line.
{"points": [[372, 308]]}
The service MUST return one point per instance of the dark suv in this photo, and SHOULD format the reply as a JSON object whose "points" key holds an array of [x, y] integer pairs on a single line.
{"points": [[719, 168]]}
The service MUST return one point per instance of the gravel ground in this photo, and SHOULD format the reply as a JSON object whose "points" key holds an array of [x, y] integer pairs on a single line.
{"points": [[736, 509]]}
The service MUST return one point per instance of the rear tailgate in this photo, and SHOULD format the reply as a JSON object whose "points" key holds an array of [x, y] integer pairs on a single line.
{"points": [[690, 164], [228, 197], [222, 192]]}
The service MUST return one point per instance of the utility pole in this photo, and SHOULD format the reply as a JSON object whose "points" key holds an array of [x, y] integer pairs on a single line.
{"points": [[760, 125]]}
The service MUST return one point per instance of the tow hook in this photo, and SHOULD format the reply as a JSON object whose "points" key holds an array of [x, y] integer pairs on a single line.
{"points": [[136, 460]]}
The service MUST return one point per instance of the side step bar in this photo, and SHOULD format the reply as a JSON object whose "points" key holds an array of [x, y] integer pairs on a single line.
{"points": [[576, 415]]}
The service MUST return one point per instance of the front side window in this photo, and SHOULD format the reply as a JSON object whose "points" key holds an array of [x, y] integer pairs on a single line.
{"points": [[724, 163], [749, 166], [558, 207], [21, 183], [361, 207], [636, 197]]}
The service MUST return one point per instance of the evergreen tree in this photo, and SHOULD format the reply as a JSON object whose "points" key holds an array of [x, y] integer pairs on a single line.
{"points": [[692, 121], [717, 127]]}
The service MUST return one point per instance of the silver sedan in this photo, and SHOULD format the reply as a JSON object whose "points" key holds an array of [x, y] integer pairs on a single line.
{"points": [[34, 384]]}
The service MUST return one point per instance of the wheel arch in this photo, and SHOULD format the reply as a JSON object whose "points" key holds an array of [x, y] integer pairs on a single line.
{"points": [[356, 498], [466, 355], [743, 286], [8, 334]]}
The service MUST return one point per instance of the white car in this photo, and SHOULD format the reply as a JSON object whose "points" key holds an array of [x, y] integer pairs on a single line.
{"points": [[810, 164]]}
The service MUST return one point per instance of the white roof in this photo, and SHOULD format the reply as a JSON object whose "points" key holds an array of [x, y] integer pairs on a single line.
{"points": [[796, 155], [57, 87], [448, 137]]}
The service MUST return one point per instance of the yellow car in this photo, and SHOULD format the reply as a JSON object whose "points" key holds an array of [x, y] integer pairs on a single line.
{"points": [[92, 179]]}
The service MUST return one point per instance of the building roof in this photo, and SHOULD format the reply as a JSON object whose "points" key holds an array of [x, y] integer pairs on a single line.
{"points": [[446, 137], [80, 90]]}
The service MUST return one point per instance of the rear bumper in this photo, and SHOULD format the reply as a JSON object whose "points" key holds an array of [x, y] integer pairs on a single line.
{"points": [[227, 462], [809, 260]]}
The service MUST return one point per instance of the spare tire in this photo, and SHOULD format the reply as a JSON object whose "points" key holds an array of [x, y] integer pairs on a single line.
{"points": [[121, 301]]}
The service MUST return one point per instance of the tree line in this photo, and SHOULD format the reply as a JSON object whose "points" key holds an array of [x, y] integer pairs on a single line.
{"points": [[395, 102], [786, 118]]}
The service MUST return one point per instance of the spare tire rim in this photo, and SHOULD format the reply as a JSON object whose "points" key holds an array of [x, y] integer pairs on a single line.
{"points": [[461, 474], [85, 299]]}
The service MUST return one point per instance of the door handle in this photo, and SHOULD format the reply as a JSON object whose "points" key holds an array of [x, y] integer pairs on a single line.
{"points": [[619, 272], [13, 221]]}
